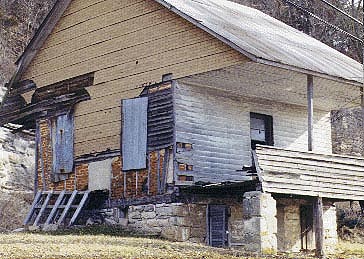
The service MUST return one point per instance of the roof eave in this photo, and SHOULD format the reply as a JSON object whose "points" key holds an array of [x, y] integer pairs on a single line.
{"points": [[309, 72]]}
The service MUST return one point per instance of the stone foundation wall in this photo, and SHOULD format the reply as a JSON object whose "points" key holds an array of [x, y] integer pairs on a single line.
{"points": [[175, 221], [289, 226], [183, 222], [347, 131], [330, 227], [259, 223]]}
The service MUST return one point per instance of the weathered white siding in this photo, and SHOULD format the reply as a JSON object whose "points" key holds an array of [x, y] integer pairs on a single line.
{"points": [[307, 173], [218, 125]]}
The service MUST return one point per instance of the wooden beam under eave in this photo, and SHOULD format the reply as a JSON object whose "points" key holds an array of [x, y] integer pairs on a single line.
{"points": [[310, 112]]}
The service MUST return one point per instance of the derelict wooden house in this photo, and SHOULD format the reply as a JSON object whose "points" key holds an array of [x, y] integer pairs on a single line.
{"points": [[205, 121]]}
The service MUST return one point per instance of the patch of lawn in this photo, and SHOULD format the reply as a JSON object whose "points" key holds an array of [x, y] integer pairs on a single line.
{"points": [[110, 243]]}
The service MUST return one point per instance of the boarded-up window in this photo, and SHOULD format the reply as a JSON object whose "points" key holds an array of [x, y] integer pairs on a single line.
{"points": [[160, 117], [134, 133], [62, 139], [218, 225]]}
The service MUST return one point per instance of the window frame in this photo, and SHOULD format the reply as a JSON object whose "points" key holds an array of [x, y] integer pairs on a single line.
{"points": [[268, 127]]}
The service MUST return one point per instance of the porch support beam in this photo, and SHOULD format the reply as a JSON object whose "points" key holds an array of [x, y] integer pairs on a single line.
{"points": [[319, 229], [310, 111]]}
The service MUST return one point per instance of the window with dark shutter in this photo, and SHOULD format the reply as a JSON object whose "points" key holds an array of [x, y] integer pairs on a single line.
{"points": [[218, 225], [134, 133], [62, 142], [261, 129]]}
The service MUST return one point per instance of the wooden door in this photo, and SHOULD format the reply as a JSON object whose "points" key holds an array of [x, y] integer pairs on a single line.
{"points": [[218, 225], [307, 231]]}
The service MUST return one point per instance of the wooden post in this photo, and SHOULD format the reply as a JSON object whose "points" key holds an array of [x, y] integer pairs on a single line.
{"points": [[310, 111], [319, 229]]}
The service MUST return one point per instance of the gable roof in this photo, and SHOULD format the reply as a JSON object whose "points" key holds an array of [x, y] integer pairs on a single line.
{"points": [[256, 35], [265, 39]]}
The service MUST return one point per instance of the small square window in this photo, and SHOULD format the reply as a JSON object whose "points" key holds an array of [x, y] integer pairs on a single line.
{"points": [[261, 129]]}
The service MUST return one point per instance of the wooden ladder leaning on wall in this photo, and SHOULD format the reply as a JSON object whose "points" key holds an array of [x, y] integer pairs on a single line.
{"points": [[51, 209]]}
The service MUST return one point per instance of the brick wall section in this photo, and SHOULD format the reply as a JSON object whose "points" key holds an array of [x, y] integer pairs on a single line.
{"points": [[117, 181], [134, 190], [78, 180], [347, 131]]}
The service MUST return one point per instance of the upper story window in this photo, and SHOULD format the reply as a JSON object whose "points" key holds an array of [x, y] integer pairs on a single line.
{"points": [[261, 129]]}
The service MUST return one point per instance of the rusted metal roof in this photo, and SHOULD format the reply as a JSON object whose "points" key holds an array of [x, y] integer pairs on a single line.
{"points": [[265, 39]]}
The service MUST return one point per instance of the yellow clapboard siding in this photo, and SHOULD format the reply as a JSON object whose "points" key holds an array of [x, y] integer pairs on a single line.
{"points": [[113, 101], [100, 104], [76, 6], [103, 21], [117, 30], [113, 47], [136, 59], [129, 87], [127, 49], [99, 145], [103, 116], [91, 12], [189, 52], [97, 132]]}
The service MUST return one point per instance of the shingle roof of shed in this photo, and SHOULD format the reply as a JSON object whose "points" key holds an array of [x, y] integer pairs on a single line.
{"points": [[265, 39]]}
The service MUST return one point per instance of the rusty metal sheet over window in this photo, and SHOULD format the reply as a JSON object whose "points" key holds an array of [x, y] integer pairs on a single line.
{"points": [[134, 133], [62, 139]]}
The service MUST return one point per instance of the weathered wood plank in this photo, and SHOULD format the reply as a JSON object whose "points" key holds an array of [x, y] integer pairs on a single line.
{"points": [[116, 30], [66, 209], [297, 189], [92, 12], [31, 211], [296, 171], [313, 156], [103, 21], [79, 208], [109, 47], [55, 207], [44, 206], [319, 228], [316, 186], [79, 5]]}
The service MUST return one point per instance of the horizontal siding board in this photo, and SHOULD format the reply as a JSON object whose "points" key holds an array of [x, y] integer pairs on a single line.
{"points": [[103, 21], [315, 161], [97, 145], [299, 191], [119, 29], [91, 12], [278, 168], [98, 131], [203, 131], [116, 74], [116, 45], [76, 6], [329, 176]]}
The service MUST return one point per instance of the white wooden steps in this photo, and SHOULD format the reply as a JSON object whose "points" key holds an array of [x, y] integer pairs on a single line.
{"points": [[52, 209]]}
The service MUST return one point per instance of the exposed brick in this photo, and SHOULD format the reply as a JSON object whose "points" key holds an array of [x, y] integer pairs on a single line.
{"points": [[77, 180]]}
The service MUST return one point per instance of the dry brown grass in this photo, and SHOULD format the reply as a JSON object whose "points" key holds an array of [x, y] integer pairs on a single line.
{"points": [[82, 246]]}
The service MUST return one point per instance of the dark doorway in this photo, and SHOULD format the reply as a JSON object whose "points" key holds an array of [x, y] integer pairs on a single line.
{"points": [[307, 232], [218, 225]]}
